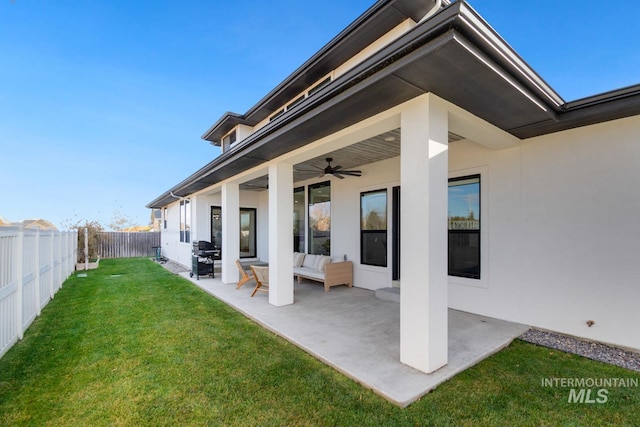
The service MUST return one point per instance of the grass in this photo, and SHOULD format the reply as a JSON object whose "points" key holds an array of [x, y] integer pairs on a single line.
{"points": [[133, 344]]}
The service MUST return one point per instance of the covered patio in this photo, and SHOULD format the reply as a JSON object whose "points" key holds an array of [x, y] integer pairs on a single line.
{"points": [[359, 335]]}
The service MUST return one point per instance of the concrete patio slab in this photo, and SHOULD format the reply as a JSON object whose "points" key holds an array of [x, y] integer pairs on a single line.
{"points": [[359, 335]]}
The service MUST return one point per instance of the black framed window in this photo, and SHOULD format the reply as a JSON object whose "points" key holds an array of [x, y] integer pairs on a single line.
{"points": [[319, 86], [185, 221], [373, 228], [247, 233], [164, 217], [298, 220], [320, 218], [464, 227], [228, 141], [216, 229]]}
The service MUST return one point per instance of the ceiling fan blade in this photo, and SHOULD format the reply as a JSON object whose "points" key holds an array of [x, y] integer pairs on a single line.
{"points": [[335, 168], [352, 173], [337, 175]]}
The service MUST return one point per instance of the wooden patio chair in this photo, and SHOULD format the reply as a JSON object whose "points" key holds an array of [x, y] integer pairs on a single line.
{"points": [[261, 275], [244, 277]]}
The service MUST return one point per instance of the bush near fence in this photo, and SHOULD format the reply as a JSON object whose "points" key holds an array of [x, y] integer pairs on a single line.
{"points": [[33, 266], [115, 244]]}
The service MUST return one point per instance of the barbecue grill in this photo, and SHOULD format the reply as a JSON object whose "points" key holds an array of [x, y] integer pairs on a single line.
{"points": [[202, 257]]}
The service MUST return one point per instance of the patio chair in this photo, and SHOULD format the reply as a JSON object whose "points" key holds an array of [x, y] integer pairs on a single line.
{"points": [[261, 275], [244, 277]]}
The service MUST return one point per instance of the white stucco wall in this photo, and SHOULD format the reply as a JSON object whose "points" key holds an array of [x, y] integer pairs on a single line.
{"points": [[172, 248], [345, 217], [201, 223], [561, 230], [558, 227]]}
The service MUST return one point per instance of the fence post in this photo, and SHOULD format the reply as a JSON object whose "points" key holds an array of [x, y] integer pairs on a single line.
{"points": [[37, 272], [58, 256], [86, 248], [52, 268], [19, 260]]}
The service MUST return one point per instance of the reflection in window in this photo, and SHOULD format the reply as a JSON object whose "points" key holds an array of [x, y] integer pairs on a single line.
{"points": [[185, 221], [373, 228], [228, 141], [320, 218], [247, 236], [164, 217], [464, 227], [298, 220], [247, 233], [216, 229]]}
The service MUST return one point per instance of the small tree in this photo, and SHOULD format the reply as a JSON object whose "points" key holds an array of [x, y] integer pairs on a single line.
{"points": [[119, 221], [94, 228]]}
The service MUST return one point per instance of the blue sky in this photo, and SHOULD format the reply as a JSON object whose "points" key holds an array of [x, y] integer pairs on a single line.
{"points": [[102, 103]]}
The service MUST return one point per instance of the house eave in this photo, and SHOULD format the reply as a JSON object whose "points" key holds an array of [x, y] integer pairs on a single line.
{"points": [[372, 24], [220, 128], [455, 55]]}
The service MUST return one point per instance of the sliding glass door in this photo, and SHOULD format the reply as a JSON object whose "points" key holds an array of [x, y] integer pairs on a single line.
{"points": [[247, 235], [320, 218], [298, 220]]}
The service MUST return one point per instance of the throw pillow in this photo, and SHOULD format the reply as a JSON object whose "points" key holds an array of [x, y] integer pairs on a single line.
{"points": [[309, 261], [324, 260]]}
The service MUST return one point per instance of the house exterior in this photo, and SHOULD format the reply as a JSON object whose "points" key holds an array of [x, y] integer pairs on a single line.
{"points": [[481, 189]]}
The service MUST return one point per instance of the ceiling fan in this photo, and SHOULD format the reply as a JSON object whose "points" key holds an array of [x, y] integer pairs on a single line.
{"points": [[337, 171]]}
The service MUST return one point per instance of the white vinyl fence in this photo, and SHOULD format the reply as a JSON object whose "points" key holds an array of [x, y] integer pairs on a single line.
{"points": [[33, 266]]}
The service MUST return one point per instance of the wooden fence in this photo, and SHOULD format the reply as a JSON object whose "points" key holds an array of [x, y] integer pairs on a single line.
{"points": [[33, 266], [114, 244]]}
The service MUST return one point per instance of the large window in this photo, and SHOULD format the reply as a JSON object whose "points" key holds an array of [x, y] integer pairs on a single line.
{"points": [[320, 218], [464, 227], [247, 233], [373, 228], [164, 217], [228, 141], [247, 236], [216, 229], [298, 220], [185, 221]]}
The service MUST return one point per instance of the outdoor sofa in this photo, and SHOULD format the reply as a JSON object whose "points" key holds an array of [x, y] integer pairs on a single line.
{"points": [[322, 268]]}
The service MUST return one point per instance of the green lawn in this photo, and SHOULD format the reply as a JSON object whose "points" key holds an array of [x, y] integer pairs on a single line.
{"points": [[133, 344]]}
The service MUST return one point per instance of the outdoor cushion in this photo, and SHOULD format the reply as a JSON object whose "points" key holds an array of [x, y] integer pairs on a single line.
{"points": [[311, 273], [310, 261], [322, 261], [298, 259]]}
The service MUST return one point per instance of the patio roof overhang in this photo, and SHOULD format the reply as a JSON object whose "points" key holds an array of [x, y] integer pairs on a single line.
{"points": [[457, 56], [377, 20]]}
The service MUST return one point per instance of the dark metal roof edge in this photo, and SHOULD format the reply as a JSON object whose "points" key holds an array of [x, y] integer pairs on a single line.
{"points": [[478, 30], [439, 21], [595, 109], [308, 64], [171, 194], [227, 118], [608, 106], [318, 100], [608, 96]]}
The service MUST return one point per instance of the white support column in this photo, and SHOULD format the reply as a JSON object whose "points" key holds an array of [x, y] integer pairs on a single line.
{"points": [[424, 177], [280, 234], [230, 232]]}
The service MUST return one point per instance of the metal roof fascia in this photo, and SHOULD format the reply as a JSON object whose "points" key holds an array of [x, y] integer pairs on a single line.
{"points": [[339, 39]]}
